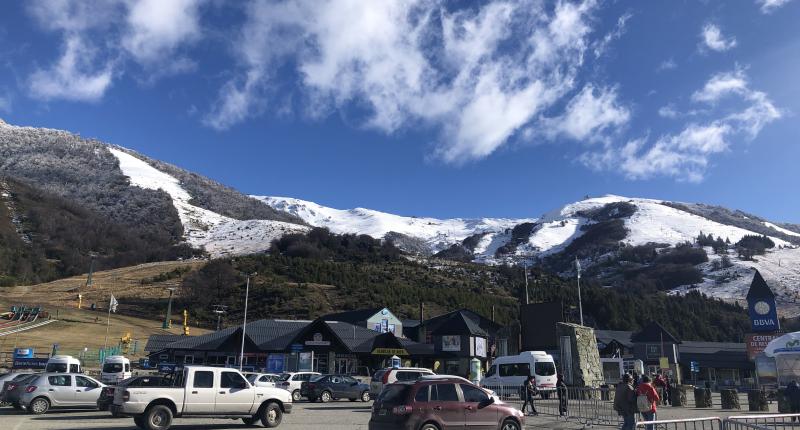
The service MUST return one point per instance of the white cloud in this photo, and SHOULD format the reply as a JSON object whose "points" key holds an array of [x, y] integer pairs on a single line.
{"points": [[591, 112], [769, 6], [99, 37], [668, 64], [687, 154], [668, 111], [713, 39], [478, 75], [601, 45], [157, 28], [74, 77]]}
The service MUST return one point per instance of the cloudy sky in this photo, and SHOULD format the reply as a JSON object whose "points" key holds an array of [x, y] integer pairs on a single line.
{"points": [[498, 108]]}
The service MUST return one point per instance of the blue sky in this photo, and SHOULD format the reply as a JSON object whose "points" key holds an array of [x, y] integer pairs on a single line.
{"points": [[507, 108]]}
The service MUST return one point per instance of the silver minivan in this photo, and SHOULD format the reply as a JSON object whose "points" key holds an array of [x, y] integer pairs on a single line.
{"points": [[60, 390]]}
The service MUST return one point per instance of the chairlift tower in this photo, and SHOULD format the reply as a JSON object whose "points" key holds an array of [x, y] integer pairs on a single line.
{"points": [[219, 310]]}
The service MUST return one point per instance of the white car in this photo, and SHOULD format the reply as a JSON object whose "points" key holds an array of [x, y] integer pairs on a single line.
{"points": [[391, 375], [202, 391], [291, 382], [262, 379]]}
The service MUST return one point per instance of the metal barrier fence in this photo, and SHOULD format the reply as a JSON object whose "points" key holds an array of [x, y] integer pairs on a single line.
{"points": [[584, 405], [709, 423], [736, 422]]}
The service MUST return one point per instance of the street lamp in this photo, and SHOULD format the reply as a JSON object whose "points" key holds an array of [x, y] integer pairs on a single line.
{"points": [[580, 305], [167, 322], [244, 322]]}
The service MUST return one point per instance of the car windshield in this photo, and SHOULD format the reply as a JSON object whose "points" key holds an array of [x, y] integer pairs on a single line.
{"points": [[394, 394], [112, 368], [56, 367], [251, 378], [22, 377], [285, 377]]}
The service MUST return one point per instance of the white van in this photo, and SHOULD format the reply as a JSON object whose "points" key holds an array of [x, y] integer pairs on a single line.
{"points": [[63, 364], [508, 373], [115, 369]]}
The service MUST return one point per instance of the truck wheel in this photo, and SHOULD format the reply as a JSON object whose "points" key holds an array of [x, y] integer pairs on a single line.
{"points": [[139, 421], [157, 417], [250, 421], [296, 396], [271, 415], [325, 397], [38, 406], [365, 396]]}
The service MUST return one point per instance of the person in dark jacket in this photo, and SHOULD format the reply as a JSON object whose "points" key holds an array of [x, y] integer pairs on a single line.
{"points": [[529, 390], [792, 394], [625, 402], [561, 391]]}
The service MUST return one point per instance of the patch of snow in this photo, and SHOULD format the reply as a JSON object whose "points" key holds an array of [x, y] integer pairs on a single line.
{"points": [[437, 233], [217, 234], [781, 229]]}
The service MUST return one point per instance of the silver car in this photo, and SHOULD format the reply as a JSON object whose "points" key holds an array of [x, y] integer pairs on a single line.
{"points": [[60, 390]]}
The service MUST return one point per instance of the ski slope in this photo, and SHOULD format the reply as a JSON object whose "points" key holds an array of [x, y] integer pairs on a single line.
{"points": [[437, 233], [216, 234]]}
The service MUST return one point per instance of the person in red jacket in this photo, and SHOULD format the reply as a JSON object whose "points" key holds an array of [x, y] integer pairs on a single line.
{"points": [[645, 388]]}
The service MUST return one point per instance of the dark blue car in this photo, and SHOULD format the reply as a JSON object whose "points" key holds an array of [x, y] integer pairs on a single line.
{"points": [[325, 388]]}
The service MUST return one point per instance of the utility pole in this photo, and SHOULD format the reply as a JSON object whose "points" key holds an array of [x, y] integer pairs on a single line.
{"points": [[89, 282], [244, 322], [219, 310], [580, 304], [167, 320]]}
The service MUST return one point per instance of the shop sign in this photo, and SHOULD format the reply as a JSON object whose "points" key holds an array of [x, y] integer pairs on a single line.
{"points": [[389, 351], [757, 343], [763, 315], [23, 352], [451, 343], [663, 362], [305, 361], [318, 341], [30, 363]]}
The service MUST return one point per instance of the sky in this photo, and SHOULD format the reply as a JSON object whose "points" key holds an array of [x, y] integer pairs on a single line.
{"points": [[501, 108]]}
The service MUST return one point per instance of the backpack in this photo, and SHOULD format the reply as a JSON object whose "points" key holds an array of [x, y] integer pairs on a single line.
{"points": [[643, 403]]}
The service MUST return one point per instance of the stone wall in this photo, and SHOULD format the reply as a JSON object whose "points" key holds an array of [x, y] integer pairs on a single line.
{"points": [[585, 364]]}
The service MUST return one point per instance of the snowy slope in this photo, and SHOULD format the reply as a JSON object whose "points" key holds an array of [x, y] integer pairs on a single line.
{"points": [[437, 233], [217, 234]]}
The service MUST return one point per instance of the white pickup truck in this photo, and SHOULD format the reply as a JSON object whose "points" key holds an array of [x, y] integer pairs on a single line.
{"points": [[200, 391]]}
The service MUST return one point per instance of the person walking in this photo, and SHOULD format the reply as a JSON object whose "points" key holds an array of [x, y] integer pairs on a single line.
{"points": [[792, 394], [668, 391], [561, 391], [646, 400], [625, 402], [529, 390], [660, 385]]}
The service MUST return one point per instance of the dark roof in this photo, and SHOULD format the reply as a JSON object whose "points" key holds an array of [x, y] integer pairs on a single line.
{"points": [[157, 342], [759, 288], [352, 317], [459, 322], [274, 335], [410, 323], [653, 333], [622, 337], [206, 342], [720, 355], [355, 338]]}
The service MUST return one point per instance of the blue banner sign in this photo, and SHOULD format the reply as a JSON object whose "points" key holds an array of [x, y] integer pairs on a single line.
{"points": [[30, 363], [763, 315], [23, 352]]}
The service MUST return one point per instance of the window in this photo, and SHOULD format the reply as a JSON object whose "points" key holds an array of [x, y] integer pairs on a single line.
{"points": [[127, 367], [378, 376], [545, 368], [492, 370], [60, 380], [82, 381], [473, 394], [74, 368], [444, 393], [348, 380], [394, 394], [407, 376], [203, 379], [264, 378], [112, 367], [422, 394], [515, 369], [232, 380], [56, 367], [336, 380]]}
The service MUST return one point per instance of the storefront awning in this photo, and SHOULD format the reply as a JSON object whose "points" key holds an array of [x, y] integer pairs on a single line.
{"points": [[786, 344]]}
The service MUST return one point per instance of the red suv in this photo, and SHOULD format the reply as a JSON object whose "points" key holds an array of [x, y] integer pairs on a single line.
{"points": [[441, 404]]}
